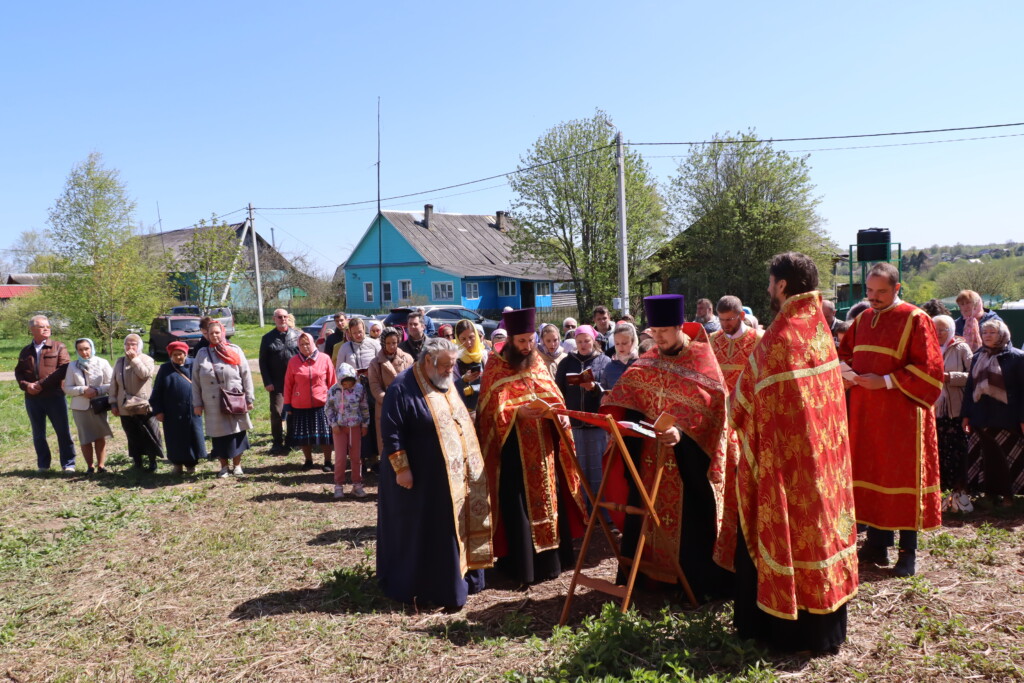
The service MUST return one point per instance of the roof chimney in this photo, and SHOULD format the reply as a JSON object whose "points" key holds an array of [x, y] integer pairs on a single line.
{"points": [[428, 211], [499, 220]]}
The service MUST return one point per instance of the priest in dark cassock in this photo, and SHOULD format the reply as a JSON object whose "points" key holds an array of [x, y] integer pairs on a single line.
{"points": [[894, 350], [795, 557], [681, 377], [535, 486], [433, 514]]}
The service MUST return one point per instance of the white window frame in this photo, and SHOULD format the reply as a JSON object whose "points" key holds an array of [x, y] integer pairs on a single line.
{"points": [[385, 292], [542, 289], [368, 292], [510, 287], [404, 290], [445, 283], [472, 290]]}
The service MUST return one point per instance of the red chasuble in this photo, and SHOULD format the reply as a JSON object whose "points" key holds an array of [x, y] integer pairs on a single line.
{"points": [[793, 482], [732, 354], [688, 386], [892, 431], [503, 390]]}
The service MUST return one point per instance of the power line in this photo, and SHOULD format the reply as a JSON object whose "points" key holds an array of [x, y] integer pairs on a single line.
{"points": [[392, 206]]}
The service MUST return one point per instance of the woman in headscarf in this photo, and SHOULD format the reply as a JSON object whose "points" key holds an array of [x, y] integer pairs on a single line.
{"points": [[130, 388], [376, 329], [89, 378], [956, 356], [994, 409], [550, 347], [469, 366], [383, 369], [221, 367], [172, 405], [627, 345], [310, 375]]}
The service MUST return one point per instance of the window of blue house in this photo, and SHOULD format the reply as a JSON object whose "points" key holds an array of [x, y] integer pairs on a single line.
{"points": [[506, 287], [472, 290], [443, 291], [368, 292], [385, 292], [543, 289], [404, 290]]}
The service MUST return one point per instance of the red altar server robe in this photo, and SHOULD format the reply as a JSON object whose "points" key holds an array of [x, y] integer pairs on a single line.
{"points": [[894, 448], [732, 354], [793, 483]]}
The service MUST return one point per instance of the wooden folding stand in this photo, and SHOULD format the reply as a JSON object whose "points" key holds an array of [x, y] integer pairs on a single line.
{"points": [[651, 523]]}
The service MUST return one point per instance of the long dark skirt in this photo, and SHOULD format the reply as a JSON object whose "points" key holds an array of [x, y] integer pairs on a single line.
{"points": [[308, 427], [143, 434], [523, 562], [952, 453], [183, 434], [808, 632], [1001, 453], [230, 446]]}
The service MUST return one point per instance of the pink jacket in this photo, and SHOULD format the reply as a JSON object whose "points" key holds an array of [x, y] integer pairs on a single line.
{"points": [[306, 382]]}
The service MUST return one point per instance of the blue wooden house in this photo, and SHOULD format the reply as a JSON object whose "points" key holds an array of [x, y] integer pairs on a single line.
{"points": [[443, 258]]}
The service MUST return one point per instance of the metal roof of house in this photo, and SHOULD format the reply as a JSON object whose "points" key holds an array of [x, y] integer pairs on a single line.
{"points": [[174, 240], [26, 278], [468, 245], [12, 291]]}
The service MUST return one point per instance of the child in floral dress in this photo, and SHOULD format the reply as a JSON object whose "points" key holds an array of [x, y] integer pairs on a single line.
{"points": [[348, 413]]}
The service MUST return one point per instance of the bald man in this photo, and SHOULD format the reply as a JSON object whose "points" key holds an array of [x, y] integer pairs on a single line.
{"points": [[277, 348]]}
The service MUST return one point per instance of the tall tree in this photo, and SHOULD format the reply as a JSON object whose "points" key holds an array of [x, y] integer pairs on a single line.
{"points": [[106, 280], [565, 209], [208, 260], [735, 202], [32, 252]]}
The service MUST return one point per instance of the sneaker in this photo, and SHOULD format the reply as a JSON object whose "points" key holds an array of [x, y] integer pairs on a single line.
{"points": [[357, 491], [328, 467], [224, 472], [963, 502], [339, 492], [69, 468], [237, 471]]}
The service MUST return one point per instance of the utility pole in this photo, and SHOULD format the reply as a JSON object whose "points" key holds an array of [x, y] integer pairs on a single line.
{"points": [[256, 263], [620, 163]]}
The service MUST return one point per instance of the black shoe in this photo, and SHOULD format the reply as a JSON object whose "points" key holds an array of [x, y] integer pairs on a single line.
{"points": [[328, 467], [90, 471], [101, 470], [308, 465], [137, 464], [906, 565], [152, 466], [870, 553]]}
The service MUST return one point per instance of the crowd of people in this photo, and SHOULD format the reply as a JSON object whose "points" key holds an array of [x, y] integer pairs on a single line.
{"points": [[784, 442]]}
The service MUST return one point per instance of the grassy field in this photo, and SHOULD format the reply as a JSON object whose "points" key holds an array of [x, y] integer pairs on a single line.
{"points": [[265, 577]]}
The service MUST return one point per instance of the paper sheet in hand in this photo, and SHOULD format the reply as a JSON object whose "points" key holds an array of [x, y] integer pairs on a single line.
{"points": [[848, 374]]}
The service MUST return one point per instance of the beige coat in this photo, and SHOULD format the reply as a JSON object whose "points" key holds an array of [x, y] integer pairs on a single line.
{"points": [[209, 374], [382, 373], [957, 359], [135, 379]]}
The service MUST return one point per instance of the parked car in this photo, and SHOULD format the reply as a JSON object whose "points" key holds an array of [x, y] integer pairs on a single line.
{"points": [[168, 328], [325, 324], [442, 315], [221, 313]]}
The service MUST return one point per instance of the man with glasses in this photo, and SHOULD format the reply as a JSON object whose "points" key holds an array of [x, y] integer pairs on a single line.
{"points": [[41, 367], [338, 336], [735, 341], [569, 325], [277, 348]]}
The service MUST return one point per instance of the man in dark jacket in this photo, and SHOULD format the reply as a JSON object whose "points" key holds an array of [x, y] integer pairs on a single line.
{"points": [[338, 336], [417, 331], [276, 349], [40, 370]]}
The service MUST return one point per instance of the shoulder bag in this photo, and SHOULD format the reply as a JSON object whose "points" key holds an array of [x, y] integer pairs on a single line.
{"points": [[232, 401], [132, 405], [98, 404]]}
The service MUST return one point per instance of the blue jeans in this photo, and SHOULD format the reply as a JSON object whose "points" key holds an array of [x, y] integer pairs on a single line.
{"points": [[56, 408]]}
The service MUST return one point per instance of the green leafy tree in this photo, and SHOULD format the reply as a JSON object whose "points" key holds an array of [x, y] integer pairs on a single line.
{"points": [[105, 280], [736, 202], [208, 260], [564, 210], [987, 278]]}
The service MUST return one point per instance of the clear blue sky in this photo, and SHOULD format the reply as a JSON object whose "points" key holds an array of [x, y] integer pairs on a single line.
{"points": [[206, 106]]}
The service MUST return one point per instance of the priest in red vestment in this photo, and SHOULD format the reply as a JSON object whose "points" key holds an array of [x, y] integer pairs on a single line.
{"points": [[735, 341], [536, 502], [795, 559], [895, 352], [680, 377]]}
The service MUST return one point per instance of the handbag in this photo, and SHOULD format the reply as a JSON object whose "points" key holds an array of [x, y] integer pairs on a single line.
{"points": [[232, 401], [99, 404], [132, 405]]}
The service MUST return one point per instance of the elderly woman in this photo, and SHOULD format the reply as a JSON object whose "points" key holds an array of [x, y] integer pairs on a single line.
{"points": [[222, 392], [956, 355], [376, 329], [390, 361], [88, 378], [310, 375], [172, 406], [994, 409], [469, 366], [627, 350], [550, 347], [130, 387]]}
